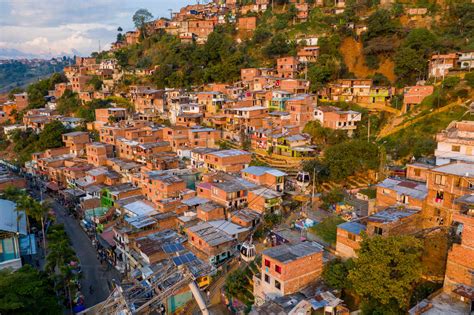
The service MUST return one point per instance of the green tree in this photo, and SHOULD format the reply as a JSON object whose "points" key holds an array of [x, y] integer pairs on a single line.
{"points": [[12, 92], [386, 272], [410, 65], [26, 291], [380, 23], [51, 136], [350, 157], [95, 82], [335, 273], [278, 46], [450, 82], [324, 136], [140, 18], [68, 103], [469, 77]]}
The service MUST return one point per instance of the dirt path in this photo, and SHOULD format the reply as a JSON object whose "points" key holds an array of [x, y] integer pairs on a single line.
{"points": [[392, 128]]}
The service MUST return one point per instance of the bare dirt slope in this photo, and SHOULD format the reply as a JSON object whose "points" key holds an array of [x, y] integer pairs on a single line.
{"points": [[352, 52]]}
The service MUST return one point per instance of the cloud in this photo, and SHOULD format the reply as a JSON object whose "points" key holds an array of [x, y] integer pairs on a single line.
{"points": [[44, 27]]}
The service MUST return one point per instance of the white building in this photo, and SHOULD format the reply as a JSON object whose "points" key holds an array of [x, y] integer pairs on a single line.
{"points": [[455, 143]]}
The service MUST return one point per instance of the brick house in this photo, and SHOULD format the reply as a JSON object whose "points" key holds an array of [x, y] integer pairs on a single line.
{"points": [[215, 239], [60, 88], [337, 119], [248, 74], [264, 200], [455, 143], [231, 160], [394, 221], [230, 193], [265, 176], [105, 114], [445, 184], [76, 142], [393, 192], [210, 211], [287, 269], [287, 67], [158, 185], [348, 239], [246, 218], [247, 23], [214, 101], [308, 54], [21, 101], [414, 95], [418, 171], [459, 279], [301, 109], [440, 65]]}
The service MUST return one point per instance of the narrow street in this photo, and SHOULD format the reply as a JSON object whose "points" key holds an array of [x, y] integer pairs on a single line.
{"points": [[93, 273]]}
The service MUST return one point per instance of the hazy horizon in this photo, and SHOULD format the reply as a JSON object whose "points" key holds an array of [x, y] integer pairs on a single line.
{"points": [[44, 29]]}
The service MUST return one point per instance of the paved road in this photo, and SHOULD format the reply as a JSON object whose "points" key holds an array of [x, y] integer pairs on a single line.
{"points": [[93, 274]]}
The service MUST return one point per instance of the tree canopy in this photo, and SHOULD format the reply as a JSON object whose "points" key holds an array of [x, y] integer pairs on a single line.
{"points": [[347, 158], [27, 291], [386, 271], [140, 18]]}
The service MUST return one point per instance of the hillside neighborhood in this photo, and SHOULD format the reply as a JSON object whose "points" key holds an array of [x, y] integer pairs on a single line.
{"points": [[228, 160]]}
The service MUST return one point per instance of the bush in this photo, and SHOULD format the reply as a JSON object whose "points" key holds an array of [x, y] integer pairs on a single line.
{"points": [[469, 77], [450, 82]]}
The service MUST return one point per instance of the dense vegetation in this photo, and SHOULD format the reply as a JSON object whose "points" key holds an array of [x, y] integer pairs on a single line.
{"points": [[70, 105], [18, 74], [38, 90], [385, 275], [27, 142], [27, 291]]}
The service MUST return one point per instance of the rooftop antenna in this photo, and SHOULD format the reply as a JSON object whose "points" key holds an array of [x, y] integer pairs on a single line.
{"points": [[171, 13], [99, 45]]}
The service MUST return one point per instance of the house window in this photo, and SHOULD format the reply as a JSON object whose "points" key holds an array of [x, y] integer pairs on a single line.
{"points": [[278, 269], [378, 230], [417, 172], [439, 196], [267, 278], [267, 263], [440, 180], [351, 236], [456, 148], [277, 285]]}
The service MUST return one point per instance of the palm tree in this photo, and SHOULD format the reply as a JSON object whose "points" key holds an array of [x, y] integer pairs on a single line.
{"points": [[39, 212]]}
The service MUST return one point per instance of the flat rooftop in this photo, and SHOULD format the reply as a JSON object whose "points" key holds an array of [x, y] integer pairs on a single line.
{"points": [[230, 153], [288, 253], [352, 227], [391, 215], [459, 169], [410, 188]]}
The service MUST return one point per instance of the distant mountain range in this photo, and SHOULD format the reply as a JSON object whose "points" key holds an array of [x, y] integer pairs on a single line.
{"points": [[20, 73], [12, 53]]}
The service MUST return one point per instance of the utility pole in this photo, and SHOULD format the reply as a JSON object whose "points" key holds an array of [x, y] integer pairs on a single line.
{"points": [[314, 187], [368, 127]]}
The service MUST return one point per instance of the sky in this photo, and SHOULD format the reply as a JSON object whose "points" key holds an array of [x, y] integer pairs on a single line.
{"points": [[45, 28]]}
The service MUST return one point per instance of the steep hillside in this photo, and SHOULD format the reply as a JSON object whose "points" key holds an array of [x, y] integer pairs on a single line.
{"points": [[352, 52]]}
